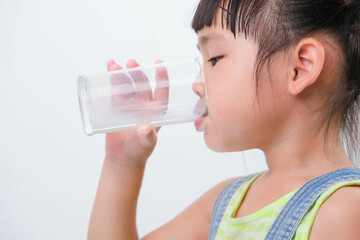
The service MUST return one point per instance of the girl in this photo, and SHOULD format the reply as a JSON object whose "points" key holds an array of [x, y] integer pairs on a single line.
{"points": [[288, 76]]}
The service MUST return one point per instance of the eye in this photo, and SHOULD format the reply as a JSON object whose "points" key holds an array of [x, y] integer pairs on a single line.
{"points": [[215, 60]]}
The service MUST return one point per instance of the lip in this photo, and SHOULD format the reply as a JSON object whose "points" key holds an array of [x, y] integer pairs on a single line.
{"points": [[200, 123]]}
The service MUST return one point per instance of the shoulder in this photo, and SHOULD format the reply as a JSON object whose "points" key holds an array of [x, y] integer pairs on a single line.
{"points": [[339, 216], [212, 194], [194, 221]]}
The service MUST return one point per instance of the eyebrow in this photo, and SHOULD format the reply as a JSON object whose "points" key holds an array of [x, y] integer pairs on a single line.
{"points": [[208, 37]]}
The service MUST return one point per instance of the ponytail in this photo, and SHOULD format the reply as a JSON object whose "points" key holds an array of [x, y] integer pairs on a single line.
{"points": [[352, 41], [350, 33]]}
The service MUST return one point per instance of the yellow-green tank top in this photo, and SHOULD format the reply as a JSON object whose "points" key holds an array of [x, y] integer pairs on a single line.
{"points": [[256, 225]]}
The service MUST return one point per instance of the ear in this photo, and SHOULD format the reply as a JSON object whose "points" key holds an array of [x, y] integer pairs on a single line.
{"points": [[307, 61]]}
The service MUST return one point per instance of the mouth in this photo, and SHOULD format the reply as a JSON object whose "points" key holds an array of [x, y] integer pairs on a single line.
{"points": [[205, 113], [200, 123]]}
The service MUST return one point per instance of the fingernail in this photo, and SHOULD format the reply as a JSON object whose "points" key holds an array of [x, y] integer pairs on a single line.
{"points": [[145, 131]]}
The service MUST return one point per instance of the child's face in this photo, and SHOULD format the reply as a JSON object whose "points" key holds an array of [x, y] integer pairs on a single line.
{"points": [[235, 119]]}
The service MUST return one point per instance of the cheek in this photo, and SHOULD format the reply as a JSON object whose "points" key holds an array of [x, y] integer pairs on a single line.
{"points": [[273, 95], [232, 92], [231, 110], [232, 103]]}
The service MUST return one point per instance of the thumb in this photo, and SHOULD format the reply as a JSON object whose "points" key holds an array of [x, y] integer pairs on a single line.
{"points": [[147, 137]]}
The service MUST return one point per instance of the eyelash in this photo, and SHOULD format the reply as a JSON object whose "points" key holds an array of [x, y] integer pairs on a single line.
{"points": [[214, 60]]}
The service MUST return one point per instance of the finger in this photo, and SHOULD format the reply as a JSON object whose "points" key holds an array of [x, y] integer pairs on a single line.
{"points": [[115, 67], [147, 137], [122, 89], [110, 63], [121, 85], [132, 64], [141, 81], [162, 86]]}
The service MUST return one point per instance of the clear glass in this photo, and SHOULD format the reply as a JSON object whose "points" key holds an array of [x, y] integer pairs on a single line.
{"points": [[158, 94]]}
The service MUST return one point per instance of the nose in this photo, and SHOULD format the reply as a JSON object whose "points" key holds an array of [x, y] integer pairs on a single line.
{"points": [[198, 86]]}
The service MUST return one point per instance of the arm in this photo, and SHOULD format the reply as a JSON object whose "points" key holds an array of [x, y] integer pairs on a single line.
{"points": [[193, 222], [339, 216], [114, 210]]}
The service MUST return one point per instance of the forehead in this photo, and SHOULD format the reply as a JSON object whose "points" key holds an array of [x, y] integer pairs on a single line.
{"points": [[206, 36], [217, 31], [214, 34]]}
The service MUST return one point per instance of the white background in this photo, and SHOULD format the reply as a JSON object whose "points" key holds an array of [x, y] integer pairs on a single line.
{"points": [[49, 170]]}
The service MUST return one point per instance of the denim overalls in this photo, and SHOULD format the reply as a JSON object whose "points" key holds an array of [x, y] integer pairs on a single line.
{"points": [[286, 223]]}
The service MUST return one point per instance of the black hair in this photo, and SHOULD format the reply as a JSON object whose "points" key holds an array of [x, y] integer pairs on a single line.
{"points": [[276, 25]]}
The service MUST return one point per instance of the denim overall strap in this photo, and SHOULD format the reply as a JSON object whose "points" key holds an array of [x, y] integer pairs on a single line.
{"points": [[222, 202], [289, 218]]}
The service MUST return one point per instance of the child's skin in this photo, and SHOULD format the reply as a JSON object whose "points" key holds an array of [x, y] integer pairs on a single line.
{"points": [[284, 123]]}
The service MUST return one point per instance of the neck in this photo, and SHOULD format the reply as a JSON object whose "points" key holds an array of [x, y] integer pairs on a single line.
{"points": [[305, 153]]}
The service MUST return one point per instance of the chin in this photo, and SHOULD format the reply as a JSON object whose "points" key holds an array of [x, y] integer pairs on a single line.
{"points": [[214, 143], [217, 148], [217, 145]]}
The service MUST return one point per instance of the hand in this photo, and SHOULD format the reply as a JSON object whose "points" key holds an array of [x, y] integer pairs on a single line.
{"points": [[131, 93], [133, 147]]}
